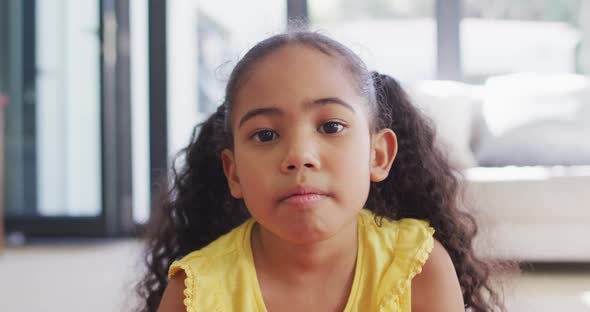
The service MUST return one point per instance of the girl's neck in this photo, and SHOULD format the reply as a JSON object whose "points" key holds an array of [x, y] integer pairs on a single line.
{"points": [[296, 261]]}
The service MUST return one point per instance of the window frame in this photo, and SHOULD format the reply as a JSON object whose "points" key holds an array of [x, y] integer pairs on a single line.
{"points": [[115, 218]]}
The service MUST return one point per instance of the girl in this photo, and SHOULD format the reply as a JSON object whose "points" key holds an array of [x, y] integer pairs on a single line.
{"points": [[290, 199]]}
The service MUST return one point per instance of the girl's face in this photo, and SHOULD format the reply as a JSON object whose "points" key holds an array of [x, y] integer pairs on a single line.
{"points": [[302, 157]]}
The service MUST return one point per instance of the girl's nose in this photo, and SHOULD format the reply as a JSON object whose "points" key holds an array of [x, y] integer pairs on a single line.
{"points": [[300, 155]]}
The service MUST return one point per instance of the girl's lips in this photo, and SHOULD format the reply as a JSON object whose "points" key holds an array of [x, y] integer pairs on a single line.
{"points": [[304, 199]]}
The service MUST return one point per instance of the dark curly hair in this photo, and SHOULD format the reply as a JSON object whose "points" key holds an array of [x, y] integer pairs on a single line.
{"points": [[198, 208]]}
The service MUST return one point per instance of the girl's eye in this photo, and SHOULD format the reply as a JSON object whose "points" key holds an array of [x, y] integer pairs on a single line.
{"points": [[265, 135], [331, 127]]}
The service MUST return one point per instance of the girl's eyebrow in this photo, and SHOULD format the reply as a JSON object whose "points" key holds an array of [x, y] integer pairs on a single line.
{"points": [[308, 105], [328, 100], [259, 111]]}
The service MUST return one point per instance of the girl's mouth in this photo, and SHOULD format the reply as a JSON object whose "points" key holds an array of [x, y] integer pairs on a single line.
{"points": [[303, 196], [304, 199]]}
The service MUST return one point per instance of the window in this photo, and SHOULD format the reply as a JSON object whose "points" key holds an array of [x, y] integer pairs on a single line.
{"points": [[501, 37], [206, 39], [64, 73], [394, 37], [53, 141]]}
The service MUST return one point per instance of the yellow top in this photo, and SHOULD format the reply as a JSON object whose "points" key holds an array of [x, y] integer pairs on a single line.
{"points": [[222, 277]]}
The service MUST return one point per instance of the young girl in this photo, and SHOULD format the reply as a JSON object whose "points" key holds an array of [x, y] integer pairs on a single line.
{"points": [[290, 199]]}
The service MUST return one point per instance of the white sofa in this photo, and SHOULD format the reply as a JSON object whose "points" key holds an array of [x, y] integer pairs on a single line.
{"points": [[537, 214], [529, 185]]}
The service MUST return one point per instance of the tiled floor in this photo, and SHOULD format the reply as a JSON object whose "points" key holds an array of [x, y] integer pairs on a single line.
{"points": [[99, 277]]}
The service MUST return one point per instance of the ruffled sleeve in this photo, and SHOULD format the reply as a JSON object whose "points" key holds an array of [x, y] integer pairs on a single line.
{"points": [[189, 282], [414, 244]]}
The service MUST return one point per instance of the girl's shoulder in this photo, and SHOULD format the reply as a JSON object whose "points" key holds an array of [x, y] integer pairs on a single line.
{"points": [[213, 273], [225, 249], [395, 251], [402, 235]]}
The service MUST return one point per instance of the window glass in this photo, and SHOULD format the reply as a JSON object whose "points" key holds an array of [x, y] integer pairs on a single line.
{"points": [[52, 121], [500, 37], [393, 37]]}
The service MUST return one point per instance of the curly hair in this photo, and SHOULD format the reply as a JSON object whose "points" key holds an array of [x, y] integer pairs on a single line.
{"points": [[198, 208]]}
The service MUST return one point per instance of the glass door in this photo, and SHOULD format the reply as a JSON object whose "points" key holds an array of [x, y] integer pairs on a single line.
{"points": [[55, 153]]}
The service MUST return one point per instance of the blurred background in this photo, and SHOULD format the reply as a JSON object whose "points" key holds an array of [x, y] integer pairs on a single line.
{"points": [[98, 96]]}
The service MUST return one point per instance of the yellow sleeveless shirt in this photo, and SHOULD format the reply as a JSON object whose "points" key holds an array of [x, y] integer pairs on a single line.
{"points": [[222, 277]]}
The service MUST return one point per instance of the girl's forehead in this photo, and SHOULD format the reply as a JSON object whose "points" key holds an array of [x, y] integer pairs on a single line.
{"points": [[294, 74]]}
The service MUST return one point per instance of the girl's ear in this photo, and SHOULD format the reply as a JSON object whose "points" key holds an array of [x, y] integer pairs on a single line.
{"points": [[229, 168], [383, 152]]}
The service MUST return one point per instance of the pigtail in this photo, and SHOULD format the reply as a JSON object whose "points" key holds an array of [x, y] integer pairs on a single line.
{"points": [[422, 184], [421, 178], [195, 211]]}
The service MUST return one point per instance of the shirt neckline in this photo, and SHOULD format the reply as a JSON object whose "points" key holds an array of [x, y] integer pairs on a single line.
{"points": [[247, 246]]}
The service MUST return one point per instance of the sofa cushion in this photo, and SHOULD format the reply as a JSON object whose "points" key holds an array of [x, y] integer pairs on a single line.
{"points": [[536, 119], [542, 143], [515, 100], [530, 193]]}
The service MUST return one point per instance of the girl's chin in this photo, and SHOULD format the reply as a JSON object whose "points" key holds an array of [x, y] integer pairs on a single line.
{"points": [[306, 235], [307, 228]]}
